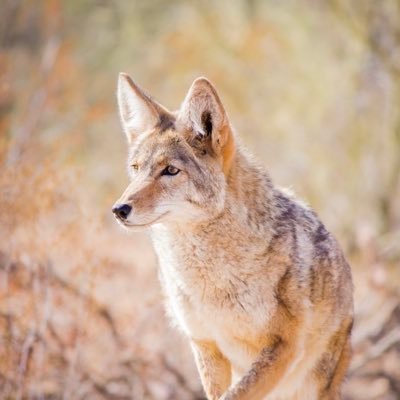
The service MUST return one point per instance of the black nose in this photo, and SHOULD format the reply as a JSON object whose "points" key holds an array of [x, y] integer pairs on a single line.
{"points": [[122, 210]]}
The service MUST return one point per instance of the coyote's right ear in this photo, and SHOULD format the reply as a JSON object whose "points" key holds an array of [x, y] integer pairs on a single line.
{"points": [[138, 112]]}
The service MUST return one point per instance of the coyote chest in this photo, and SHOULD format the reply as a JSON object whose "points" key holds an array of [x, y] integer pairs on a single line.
{"points": [[214, 297]]}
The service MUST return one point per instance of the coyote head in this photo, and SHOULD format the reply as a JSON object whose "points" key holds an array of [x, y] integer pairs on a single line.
{"points": [[178, 161]]}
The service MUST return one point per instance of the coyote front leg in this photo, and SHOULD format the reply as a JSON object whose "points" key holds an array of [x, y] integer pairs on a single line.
{"points": [[214, 368], [265, 373]]}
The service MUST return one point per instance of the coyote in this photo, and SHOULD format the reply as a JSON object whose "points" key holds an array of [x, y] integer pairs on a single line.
{"points": [[251, 276]]}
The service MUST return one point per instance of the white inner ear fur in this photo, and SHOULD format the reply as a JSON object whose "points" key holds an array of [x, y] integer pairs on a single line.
{"points": [[137, 113]]}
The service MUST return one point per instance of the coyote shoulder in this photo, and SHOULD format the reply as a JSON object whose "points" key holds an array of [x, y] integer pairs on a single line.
{"points": [[252, 277]]}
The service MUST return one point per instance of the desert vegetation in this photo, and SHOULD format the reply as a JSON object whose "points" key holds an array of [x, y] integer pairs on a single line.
{"points": [[312, 87]]}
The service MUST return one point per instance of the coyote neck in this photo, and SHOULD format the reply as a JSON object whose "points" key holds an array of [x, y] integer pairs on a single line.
{"points": [[250, 195]]}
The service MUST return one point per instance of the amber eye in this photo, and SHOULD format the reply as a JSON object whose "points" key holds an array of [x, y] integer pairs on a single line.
{"points": [[170, 170], [135, 166]]}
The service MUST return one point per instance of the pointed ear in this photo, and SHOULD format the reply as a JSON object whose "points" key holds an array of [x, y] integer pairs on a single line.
{"points": [[203, 112], [138, 112]]}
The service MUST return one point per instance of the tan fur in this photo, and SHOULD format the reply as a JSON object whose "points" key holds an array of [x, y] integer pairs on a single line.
{"points": [[250, 274], [215, 370], [228, 151]]}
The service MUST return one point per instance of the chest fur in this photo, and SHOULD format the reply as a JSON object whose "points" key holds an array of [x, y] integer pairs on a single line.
{"points": [[223, 296]]}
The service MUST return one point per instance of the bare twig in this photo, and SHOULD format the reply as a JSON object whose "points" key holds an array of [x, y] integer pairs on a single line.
{"points": [[37, 103], [377, 349]]}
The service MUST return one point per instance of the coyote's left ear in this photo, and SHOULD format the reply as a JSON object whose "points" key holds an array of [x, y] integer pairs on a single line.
{"points": [[203, 112]]}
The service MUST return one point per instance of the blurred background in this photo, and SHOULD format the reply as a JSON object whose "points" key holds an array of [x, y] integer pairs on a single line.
{"points": [[312, 87]]}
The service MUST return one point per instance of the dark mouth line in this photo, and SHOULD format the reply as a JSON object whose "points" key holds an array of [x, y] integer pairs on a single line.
{"points": [[147, 224]]}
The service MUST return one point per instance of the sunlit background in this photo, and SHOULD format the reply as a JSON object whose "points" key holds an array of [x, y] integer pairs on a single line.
{"points": [[313, 89]]}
